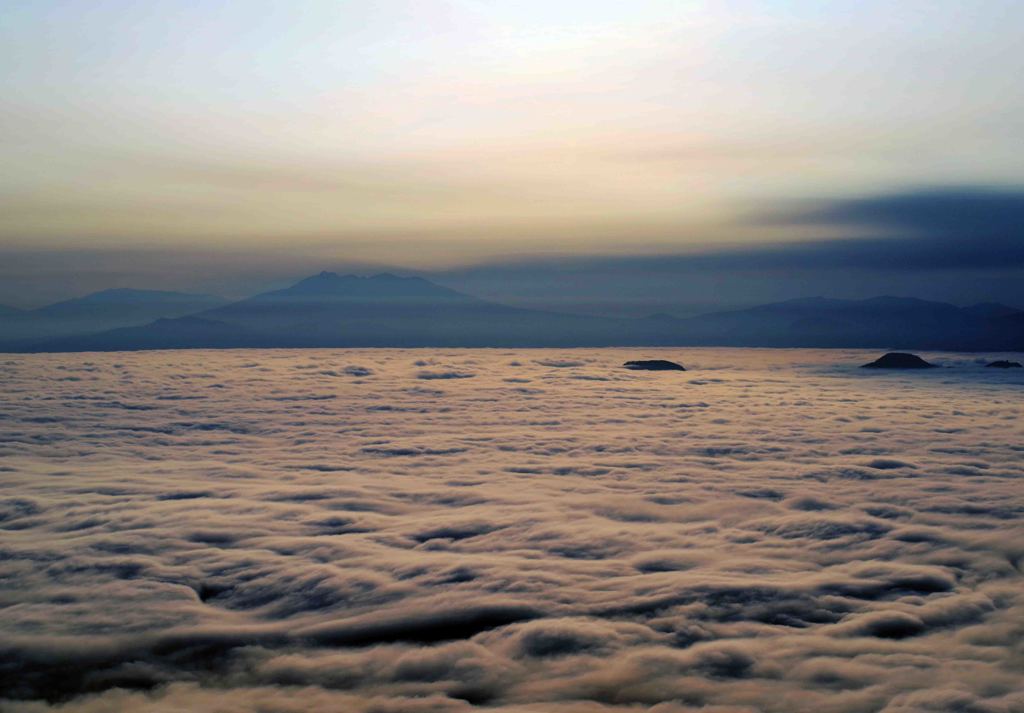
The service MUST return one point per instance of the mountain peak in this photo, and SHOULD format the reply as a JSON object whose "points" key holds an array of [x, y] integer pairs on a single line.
{"points": [[384, 286], [328, 276], [911, 302], [322, 280]]}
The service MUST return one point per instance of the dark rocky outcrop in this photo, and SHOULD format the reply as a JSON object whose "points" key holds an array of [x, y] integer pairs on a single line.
{"points": [[654, 365], [1003, 364], [899, 360]]}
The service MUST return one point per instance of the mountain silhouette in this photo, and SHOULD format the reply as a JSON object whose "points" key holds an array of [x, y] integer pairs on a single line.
{"points": [[331, 310], [385, 310], [125, 306], [97, 312]]}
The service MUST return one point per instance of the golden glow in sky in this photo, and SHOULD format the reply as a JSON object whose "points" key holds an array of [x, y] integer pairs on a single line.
{"points": [[427, 132]]}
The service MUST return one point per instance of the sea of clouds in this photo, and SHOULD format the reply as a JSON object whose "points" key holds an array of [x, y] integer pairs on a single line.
{"points": [[381, 531]]}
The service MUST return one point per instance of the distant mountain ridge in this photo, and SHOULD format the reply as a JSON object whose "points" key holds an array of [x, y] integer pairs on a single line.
{"points": [[330, 310], [893, 322], [385, 310], [97, 312]]}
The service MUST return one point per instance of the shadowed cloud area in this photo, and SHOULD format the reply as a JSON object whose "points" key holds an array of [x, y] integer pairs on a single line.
{"points": [[949, 228], [383, 531], [954, 244], [960, 245]]}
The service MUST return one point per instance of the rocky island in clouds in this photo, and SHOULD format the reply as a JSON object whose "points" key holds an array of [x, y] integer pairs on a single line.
{"points": [[440, 356]]}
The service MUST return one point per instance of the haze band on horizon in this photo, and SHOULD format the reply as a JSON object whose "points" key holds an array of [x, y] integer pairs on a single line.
{"points": [[597, 157]]}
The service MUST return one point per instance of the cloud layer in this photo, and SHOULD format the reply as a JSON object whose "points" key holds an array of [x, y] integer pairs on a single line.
{"points": [[367, 531]]}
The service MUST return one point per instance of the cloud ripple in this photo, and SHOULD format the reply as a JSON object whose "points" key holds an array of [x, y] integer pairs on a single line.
{"points": [[283, 531]]}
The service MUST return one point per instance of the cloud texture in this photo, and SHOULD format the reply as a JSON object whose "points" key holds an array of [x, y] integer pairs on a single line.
{"points": [[365, 531]]}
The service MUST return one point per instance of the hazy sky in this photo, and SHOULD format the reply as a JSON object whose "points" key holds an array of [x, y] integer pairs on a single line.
{"points": [[432, 134]]}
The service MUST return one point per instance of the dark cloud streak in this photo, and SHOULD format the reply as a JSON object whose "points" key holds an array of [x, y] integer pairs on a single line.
{"points": [[961, 245]]}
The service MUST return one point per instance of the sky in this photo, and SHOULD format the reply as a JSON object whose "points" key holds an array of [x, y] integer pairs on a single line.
{"points": [[224, 146]]}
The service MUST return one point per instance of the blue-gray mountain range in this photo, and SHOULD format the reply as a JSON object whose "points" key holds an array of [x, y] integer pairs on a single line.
{"points": [[329, 310]]}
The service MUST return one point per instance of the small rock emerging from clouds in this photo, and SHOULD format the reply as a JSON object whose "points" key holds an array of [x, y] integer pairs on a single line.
{"points": [[654, 365], [899, 360], [1003, 364]]}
